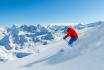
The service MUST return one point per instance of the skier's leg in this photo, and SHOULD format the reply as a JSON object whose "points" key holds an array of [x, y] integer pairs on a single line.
{"points": [[71, 41]]}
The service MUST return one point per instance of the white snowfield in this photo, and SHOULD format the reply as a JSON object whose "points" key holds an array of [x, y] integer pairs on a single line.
{"points": [[88, 54]]}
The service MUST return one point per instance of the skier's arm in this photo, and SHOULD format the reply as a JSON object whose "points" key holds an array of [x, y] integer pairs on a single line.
{"points": [[67, 35]]}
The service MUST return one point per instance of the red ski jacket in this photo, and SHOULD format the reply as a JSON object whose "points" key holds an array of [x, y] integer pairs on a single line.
{"points": [[72, 33]]}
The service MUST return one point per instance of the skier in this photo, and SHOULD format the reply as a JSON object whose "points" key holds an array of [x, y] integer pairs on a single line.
{"points": [[73, 34]]}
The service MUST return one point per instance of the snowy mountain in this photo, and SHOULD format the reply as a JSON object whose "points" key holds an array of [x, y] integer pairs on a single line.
{"points": [[24, 40], [86, 55]]}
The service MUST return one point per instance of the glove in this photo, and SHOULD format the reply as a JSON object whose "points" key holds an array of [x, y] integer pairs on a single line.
{"points": [[64, 37]]}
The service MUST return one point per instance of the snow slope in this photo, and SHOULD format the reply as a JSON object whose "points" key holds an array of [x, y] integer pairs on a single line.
{"points": [[88, 54]]}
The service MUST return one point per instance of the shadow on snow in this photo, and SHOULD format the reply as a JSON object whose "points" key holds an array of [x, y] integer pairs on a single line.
{"points": [[59, 57]]}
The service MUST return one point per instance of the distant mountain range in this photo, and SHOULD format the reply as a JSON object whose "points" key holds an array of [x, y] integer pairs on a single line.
{"points": [[19, 37]]}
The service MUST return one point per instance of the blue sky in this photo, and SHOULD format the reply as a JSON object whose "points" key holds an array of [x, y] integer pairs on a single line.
{"points": [[50, 11]]}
